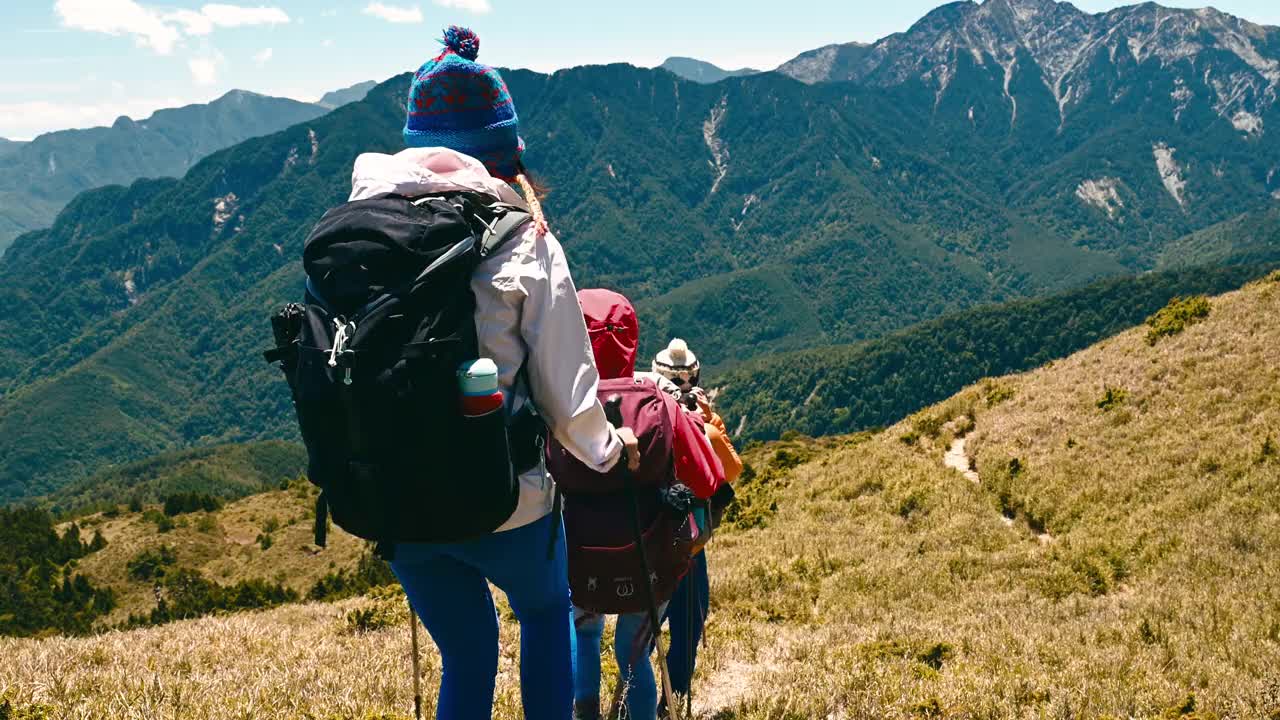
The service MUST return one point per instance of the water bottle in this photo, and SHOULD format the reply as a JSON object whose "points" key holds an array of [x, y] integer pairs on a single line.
{"points": [[478, 385]]}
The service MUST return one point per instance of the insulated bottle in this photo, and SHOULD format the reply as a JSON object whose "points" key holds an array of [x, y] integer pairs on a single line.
{"points": [[478, 385]]}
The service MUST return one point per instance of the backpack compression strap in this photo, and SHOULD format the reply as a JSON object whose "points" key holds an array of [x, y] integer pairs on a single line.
{"points": [[505, 226]]}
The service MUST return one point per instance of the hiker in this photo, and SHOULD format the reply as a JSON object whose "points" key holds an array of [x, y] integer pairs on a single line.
{"points": [[444, 463], [691, 602], [607, 573]]}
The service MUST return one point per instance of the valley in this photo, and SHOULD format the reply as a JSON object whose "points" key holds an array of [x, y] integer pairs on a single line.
{"points": [[990, 306]]}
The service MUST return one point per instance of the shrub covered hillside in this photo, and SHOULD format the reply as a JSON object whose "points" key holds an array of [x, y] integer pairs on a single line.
{"points": [[848, 388], [261, 544], [1113, 559], [223, 471]]}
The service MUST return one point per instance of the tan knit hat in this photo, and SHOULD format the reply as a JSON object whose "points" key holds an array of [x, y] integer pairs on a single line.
{"points": [[678, 364]]}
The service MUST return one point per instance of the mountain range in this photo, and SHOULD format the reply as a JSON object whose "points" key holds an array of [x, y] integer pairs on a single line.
{"points": [[39, 177], [338, 98], [701, 71], [753, 216]]}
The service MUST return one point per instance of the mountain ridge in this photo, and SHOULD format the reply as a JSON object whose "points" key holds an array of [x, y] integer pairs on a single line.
{"points": [[701, 71], [37, 178], [1061, 41], [847, 210], [338, 98]]}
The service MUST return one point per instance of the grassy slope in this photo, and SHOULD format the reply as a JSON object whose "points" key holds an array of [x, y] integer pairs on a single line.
{"points": [[886, 585], [222, 544]]}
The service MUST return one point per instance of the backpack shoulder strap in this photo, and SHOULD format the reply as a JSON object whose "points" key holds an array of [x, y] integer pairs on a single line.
{"points": [[507, 224]]}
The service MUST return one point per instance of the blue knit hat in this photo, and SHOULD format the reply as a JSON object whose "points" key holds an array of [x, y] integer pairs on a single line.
{"points": [[456, 102]]}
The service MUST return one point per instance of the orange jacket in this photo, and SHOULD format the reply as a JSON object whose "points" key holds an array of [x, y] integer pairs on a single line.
{"points": [[719, 438]]}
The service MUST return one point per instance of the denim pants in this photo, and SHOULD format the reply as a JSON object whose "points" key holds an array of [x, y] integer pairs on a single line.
{"points": [[448, 588], [632, 642]]}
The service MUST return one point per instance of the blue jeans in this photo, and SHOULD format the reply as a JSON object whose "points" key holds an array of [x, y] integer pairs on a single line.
{"points": [[447, 587], [633, 639], [686, 626]]}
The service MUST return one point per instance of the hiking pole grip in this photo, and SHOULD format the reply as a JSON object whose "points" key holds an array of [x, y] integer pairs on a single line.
{"points": [[613, 410]]}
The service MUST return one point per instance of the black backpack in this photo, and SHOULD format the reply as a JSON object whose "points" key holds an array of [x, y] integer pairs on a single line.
{"points": [[371, 358]]}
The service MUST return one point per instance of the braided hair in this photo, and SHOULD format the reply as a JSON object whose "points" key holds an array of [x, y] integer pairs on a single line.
{"points": [[533, 193]]}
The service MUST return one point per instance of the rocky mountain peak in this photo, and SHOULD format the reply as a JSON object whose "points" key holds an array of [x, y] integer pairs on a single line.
{"points": [[1235, 62]]}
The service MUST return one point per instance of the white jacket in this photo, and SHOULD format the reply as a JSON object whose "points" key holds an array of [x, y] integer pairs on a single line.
{"points": [[526, 308]]}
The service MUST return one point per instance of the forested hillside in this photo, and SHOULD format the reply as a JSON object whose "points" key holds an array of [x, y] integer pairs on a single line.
{"points": [[842, 389], [38, 178], [754, 216]]}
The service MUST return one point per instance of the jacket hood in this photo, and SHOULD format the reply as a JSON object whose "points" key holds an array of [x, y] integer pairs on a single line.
{"points": [[425, 171], [614, 331]]}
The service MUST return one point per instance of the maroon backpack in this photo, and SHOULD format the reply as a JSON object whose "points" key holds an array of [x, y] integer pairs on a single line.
{"points": [[605, 569]]}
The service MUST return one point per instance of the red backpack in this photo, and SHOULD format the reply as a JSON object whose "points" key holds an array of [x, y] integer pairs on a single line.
{"points": [[605, 568]]}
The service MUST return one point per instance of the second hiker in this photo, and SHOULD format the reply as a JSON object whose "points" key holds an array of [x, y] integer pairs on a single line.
{"points": [[607, 515]]}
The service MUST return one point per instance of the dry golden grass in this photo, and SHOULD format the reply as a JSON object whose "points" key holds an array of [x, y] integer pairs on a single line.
{"points": [[887, 585]]}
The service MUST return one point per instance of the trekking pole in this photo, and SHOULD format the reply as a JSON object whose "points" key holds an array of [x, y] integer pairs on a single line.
{"points": [[417, 673], [613, 411], [689, 597]]}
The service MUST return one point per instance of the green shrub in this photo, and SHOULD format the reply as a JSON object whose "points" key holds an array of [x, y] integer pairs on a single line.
{"points": [[370, 572], [927, 426], [1178, 315], [180, 503], [1268, 452], [1185, 707], [9, 710], [371, 618], [997, 393], [264, 541], [184, 593], [151, 564], [163, 522], [926, 652], [1112, 397]]}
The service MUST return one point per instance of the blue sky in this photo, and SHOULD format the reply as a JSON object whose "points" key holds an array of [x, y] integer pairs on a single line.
{"points": [[79, 63]]}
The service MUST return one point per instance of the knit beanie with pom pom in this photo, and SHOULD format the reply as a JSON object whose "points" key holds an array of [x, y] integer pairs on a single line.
{"points": [[457, 103], [678, 364]]}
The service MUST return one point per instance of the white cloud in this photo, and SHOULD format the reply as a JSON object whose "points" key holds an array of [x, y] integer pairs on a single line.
{"points": [[119, 17], [237, 16], [204, 70], [327, 42], [194, 23], [28, 119], [156, 30], [261, 58], [393, 13], [475, 6]]}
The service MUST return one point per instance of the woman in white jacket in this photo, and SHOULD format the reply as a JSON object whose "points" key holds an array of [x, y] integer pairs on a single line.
{"points": [[461, 129]]}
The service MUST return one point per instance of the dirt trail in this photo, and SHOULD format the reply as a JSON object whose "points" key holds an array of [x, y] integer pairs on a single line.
{"points": [[957, 458], [732, 680]]}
